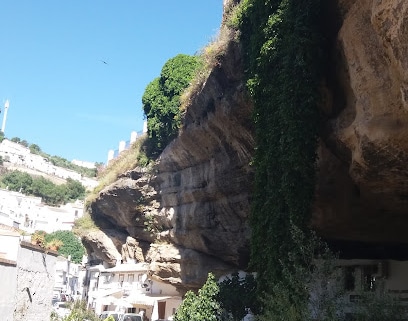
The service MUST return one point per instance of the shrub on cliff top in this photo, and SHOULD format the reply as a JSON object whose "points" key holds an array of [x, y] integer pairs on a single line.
{"points": [[161, 101]]}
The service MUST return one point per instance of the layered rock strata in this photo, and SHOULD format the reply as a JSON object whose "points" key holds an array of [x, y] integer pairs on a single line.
{"points": [[189, 214]]}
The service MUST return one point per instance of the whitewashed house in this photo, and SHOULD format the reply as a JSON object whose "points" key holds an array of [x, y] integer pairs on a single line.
{"points": [[68, 278], [358, 284], [364, 275], [129, 288], [21, 157], [29, 214]]}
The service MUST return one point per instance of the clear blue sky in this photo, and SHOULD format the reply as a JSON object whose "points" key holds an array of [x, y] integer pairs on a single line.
{"points": [[62, 96]]}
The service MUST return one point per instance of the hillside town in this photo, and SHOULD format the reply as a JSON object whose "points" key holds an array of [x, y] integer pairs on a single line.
{"points": [[37, 282]]}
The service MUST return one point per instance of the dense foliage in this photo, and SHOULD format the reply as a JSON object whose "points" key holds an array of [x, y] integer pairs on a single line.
{"points": [[282, 44], [71, 245], [51, 193], [236, 295], [161, 101], [201, 307]]}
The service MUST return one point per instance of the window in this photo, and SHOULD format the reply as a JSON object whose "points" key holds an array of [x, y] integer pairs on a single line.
{"points": [[349, 278], [369, 277], [131, 278], [362, 277], [121, 278]]}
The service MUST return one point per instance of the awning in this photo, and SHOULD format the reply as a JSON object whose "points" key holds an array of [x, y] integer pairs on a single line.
{"points": [[145, 299], [109, 300], [103, 293], [123, 303]]}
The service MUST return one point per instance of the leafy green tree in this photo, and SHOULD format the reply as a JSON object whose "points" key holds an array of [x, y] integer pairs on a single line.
{"points": [[18, 181], [1, 136], [201, 307], [74, 189], [16, 140], [161, 101], [51, 193], [71, 244], [35, 149]]}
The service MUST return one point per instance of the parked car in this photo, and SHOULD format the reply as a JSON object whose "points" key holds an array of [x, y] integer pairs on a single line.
{"points": [[61, 309], [131, 317], [105, 314]]}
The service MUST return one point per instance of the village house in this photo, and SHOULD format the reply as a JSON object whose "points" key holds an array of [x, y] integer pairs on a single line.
{"points": [[69, 277], [27, 213], [363, 275], [129, 288], [19, 157]]}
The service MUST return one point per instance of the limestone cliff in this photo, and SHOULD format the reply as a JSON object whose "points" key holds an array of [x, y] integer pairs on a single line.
{"points": [[189, 213], [195, 200]]}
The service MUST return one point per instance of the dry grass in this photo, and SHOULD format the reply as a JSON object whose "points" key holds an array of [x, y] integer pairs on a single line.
{"points": [[127, 160], [84, 225], [211, 56]]}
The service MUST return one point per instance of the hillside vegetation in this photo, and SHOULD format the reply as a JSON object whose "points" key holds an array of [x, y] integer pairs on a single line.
{"points": [[50, 193]]}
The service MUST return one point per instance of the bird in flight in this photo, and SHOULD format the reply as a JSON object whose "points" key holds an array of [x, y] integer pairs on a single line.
{"points": [[104, 62]]}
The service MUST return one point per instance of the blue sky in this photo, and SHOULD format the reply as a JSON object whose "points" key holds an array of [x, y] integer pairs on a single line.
{"points": [[62, 96]]}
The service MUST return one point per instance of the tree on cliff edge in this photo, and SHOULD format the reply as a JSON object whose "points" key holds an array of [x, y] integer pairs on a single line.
{"points": [[161, 101]]}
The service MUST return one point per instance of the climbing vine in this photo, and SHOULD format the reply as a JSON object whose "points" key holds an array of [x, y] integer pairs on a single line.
{"points": [[284, 63]]}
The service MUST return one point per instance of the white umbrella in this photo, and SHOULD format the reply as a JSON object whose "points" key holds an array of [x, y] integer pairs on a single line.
{"points": [[155, 313]]}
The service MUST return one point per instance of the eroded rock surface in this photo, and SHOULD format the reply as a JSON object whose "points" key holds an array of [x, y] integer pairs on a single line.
{"points": [[195, 202], [363, 193]]}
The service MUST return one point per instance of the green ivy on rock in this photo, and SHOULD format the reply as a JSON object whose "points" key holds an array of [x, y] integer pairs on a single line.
{"points": [[282, 47]]}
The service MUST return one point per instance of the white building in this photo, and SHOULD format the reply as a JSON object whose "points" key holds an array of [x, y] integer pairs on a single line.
{"points": [[29, 214], [357, 283], [69, 278], [124, 145], [129, 288], [19, 155], [90, 165]]}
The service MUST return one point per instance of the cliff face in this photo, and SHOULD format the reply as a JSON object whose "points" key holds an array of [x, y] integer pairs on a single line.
{"points": [[196, 199], [194, 204]]}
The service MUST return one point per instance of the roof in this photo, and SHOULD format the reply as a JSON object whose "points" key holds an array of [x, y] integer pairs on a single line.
{"points": [[105, 293], [129, 267], [142, 299], [8, 230], [9, 233]]}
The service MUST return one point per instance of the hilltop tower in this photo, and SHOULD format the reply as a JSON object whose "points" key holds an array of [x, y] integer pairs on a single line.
{"points": [[6, 106]]}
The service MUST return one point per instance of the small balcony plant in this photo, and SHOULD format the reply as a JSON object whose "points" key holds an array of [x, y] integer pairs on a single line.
{"points": [[38, 238], [54, 244]]}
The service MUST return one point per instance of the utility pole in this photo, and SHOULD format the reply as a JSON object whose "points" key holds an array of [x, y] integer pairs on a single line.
{"points": [[6, 106]]}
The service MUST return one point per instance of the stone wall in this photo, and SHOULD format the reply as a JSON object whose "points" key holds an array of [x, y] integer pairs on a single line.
{"points": [[35, 281], [8, 289]]}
